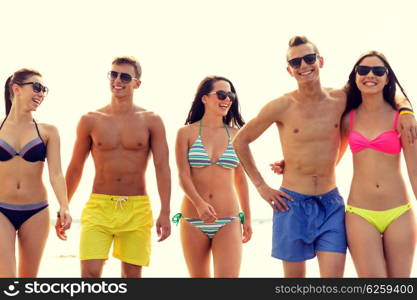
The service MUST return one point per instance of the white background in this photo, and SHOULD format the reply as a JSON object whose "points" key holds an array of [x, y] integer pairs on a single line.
{"points": [[178, 43]]}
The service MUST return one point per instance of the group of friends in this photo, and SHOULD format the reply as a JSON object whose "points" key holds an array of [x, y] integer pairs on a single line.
{"points": [[212, 152]]}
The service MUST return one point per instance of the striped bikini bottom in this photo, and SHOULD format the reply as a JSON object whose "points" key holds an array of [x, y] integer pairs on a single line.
{"points": [[210, 229]]}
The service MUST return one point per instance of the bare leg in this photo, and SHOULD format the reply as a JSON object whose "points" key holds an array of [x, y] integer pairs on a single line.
{"points": [[92, 268], [7, 248], [366, 247], [331, 264], [400, 244], [131, 271], [227, 250], [32, 237], [294, 269], [196, 247]]}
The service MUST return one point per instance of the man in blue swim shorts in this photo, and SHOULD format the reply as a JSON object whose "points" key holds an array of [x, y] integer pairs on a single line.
{"points": [[309, 213], [312, 223], [308, 210]]}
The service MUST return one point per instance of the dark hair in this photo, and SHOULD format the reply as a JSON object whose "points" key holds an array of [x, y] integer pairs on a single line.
{"points": [[18, 77], [129, 60], [353, 94], [233, 117], [300, 40]]}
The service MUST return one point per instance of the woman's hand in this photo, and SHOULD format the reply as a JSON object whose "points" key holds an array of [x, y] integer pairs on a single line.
{"points": [[63, 223], [278, 167], [247, 231], [206, 212]]}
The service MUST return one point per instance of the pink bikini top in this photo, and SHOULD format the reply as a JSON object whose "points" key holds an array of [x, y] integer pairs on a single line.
{"points": [[387, 142]]}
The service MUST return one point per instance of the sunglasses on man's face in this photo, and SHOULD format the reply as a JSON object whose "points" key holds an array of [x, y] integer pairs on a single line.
{"points": [[309, 59], [124, 77], [37, 87], [377, 71], [222, 95]]}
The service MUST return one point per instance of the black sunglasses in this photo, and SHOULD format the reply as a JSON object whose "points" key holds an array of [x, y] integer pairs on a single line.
{"points": [[124, 77], [37, 87], [378, 71], [309, 59], [222, 95]]}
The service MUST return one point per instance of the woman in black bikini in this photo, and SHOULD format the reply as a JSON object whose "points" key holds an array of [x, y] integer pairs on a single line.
{"points": [[24, 146]]}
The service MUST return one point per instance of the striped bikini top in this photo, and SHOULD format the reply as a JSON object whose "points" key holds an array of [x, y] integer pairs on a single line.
{"points": [[198, 156]]}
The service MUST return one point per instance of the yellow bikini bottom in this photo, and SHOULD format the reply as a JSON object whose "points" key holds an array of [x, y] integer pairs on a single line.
{"points": [[381, 219]]}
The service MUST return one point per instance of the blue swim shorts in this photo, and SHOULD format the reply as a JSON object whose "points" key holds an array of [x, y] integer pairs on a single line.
{"points": [[313, 223]]}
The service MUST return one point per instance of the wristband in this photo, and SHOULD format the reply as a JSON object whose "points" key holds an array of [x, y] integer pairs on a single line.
{"points": [[405, 112], [405, 109]]}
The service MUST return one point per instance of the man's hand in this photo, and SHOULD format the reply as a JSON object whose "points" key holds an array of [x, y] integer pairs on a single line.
{"points": [[408, 127], [63, 223], [274, 198], [163, 227]]}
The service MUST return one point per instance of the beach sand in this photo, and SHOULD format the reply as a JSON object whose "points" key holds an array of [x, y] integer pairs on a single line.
{"points": [[61, 257]]}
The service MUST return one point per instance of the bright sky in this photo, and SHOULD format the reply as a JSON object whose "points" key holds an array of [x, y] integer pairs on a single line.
{"points": [[178, 43]]}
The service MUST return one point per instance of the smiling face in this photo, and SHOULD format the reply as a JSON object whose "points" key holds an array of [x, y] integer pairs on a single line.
{"points": [[212, 102], [305, 72], [28, 98], [370, 83], [120, 88]]}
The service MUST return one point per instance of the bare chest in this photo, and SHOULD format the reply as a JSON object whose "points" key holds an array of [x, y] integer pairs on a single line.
{"points": [[130, 134], [315, 124]]}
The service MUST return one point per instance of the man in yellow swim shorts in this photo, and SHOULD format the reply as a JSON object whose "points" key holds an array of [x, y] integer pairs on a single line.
{"points": [[120, 137]]}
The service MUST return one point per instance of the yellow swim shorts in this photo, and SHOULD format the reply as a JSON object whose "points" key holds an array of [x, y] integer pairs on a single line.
{"points": [[125, 219]]}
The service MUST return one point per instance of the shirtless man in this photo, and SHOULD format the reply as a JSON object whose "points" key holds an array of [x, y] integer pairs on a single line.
{"points": [[308, 210], [120, 137]]}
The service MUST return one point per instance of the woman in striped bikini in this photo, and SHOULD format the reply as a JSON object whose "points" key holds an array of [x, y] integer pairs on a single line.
{"points": [[210, 173]]}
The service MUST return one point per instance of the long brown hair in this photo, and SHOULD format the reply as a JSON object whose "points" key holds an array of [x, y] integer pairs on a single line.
{"points": [[353, 94], [233, 117]]}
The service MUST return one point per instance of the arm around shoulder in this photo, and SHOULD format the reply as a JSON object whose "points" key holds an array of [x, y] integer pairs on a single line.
{"points": [[407, 121], [410, 156]]}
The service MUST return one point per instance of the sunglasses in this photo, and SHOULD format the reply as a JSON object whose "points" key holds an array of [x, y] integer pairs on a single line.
{"points": [[377, 71], [124, 77], [37, 87], [222, 95], [309, 59]]}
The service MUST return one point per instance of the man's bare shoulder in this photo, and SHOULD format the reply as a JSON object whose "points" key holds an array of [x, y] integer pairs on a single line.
{"points": [[337, 94], [91, 116], [280, 104], [88, 120], [147, 115], [148, 118]]}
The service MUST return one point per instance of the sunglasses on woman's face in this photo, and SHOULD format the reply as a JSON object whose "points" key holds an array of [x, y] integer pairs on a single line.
{"points": [[222, 95], [377, 71], [124, 77], [309, 59], [37, 87]]}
